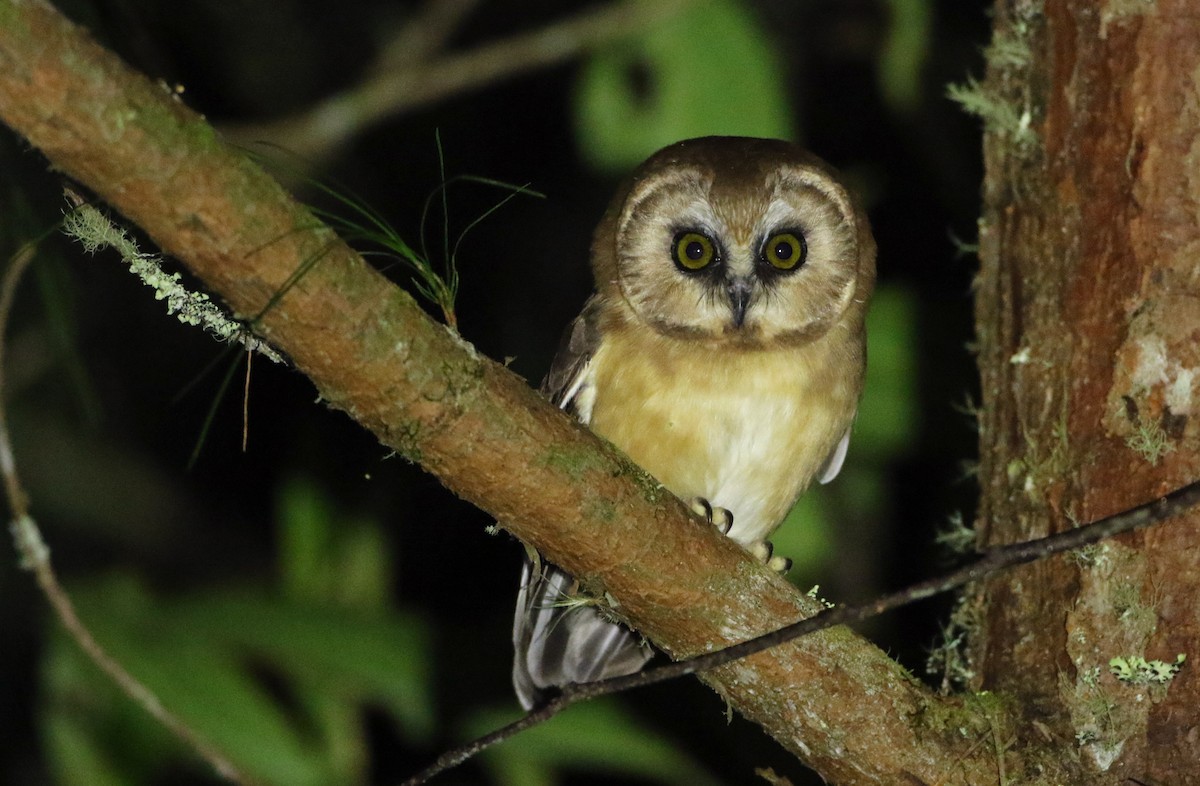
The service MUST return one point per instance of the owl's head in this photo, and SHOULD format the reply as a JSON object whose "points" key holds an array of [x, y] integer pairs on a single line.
{"points": [[731, 239]]}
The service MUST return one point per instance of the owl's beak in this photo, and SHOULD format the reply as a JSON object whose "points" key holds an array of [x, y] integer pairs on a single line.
{"points": [[739, 291]]}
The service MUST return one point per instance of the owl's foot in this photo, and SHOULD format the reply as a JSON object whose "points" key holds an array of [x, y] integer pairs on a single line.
{"points": [[722, 519], [764, 552]]}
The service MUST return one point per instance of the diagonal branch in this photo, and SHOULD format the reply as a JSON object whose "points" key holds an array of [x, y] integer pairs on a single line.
{"points": [[994, 561], [833, 699]]}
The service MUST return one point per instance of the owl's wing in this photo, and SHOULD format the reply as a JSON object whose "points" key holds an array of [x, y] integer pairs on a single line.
{"points": [[833, 464], [557, 642], [568, 382]]}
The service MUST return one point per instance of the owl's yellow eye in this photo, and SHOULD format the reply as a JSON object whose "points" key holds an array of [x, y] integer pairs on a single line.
{"points": [[693, 251], [785, 251]]}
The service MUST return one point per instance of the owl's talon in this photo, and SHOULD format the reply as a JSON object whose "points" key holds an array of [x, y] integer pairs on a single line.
{"points": [[720, 518], [764, 552], [779, 564], [761, 550]]}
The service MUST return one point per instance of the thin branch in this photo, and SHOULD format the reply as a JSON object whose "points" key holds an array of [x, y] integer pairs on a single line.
{"points": [[398, 84], [35, 556], [17, 265], [994, 561], [424, 35]]}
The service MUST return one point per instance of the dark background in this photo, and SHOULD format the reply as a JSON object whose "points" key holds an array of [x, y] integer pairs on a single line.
{"points": [[109, 400]]}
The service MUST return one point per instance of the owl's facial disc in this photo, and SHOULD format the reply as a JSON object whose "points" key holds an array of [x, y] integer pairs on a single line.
{"points": [[747, 254]]}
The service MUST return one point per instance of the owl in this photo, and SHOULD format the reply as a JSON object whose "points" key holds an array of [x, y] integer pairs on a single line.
{"points": [[723, 351]]}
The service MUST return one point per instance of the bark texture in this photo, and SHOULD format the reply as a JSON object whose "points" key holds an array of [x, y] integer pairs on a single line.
{"points": [[1088, 315], [834, 699]]}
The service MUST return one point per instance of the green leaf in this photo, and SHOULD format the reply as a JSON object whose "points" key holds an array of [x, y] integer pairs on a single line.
{"points": [[305, 520], [707, 70], [327, 557], [74, 755], [215, 696], [384, 658], [598, 737], [199, 679], [204, 657]]}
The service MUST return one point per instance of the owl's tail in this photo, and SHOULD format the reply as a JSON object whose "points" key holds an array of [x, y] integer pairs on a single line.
{"points": [[558, 641]]}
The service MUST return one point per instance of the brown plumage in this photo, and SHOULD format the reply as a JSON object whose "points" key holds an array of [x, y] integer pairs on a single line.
{"points": [[724, 351]]}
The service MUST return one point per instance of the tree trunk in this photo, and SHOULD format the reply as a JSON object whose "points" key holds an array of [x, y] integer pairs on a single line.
{"points": [[1088, 313]]}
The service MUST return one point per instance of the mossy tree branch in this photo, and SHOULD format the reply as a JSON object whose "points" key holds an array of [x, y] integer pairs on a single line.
{"points": [[833, 699]]}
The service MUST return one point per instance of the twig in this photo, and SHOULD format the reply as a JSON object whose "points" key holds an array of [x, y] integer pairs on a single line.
{"points": [[246, 402], [390, 91], [996, 560], [35, 556], [425, 34]]}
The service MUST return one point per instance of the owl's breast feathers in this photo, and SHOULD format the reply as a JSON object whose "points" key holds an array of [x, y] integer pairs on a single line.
{"points": [[747, 429]]}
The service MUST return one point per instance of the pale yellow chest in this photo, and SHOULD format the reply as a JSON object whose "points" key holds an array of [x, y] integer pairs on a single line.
{"points": [[746, 429]]}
